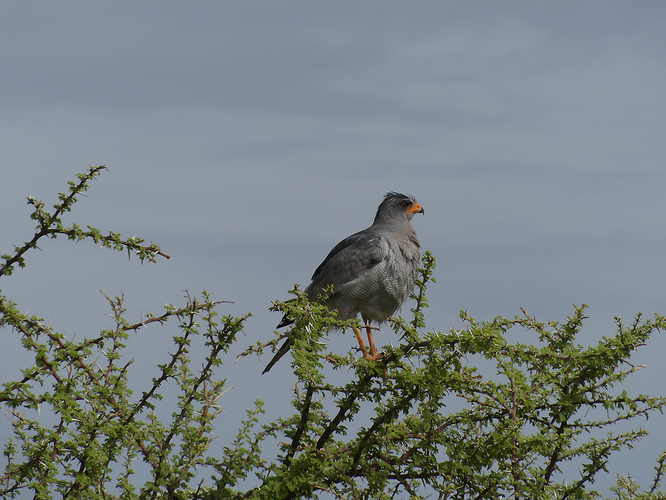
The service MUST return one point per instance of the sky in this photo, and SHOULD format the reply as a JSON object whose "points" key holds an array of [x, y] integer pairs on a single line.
{"points": [[248, 138]]}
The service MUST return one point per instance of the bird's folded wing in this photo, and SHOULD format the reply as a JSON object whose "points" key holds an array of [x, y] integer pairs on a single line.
{"points": [[350, 259]]}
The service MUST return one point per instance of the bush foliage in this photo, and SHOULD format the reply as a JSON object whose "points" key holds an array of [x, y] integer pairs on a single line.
{"points": [[422, 423]]}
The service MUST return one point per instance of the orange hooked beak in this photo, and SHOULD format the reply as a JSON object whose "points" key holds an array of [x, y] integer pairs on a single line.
{"points": [[415, 209]]}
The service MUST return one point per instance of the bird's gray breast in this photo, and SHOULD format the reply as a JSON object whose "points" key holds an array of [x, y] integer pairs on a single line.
{"points": [[381, 290]]}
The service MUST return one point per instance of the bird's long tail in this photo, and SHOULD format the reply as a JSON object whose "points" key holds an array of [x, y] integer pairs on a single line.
{"points": [[281, 352]]}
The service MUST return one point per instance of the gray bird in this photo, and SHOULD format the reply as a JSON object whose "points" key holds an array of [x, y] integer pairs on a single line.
{"points": [[372, 271]]}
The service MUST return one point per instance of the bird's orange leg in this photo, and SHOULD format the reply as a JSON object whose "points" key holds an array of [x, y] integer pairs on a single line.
{"points": [[371, 342], [374, 356], [361, 344]]}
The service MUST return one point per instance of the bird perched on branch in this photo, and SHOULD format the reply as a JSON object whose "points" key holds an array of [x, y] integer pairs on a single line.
{"points": [[372, 271]]}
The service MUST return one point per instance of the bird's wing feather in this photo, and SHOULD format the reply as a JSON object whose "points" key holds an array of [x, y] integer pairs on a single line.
{"points": [[348, 260]]}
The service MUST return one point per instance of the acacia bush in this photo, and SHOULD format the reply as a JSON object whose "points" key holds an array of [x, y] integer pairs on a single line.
{"points": [[423, 423]]}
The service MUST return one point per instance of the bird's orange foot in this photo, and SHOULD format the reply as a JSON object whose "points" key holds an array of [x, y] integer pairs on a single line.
{"points": [[378, 356], [373, 355]]}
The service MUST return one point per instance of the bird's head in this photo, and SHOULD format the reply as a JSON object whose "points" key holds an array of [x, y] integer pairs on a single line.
{"points": [[398, 206]]}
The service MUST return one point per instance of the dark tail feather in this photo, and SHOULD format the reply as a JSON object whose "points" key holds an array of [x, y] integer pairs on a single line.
{"points": [[281, 352], [284, 322]]}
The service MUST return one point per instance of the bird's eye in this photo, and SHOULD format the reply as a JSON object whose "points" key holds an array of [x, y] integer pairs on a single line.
{"points": [[405, 204]]}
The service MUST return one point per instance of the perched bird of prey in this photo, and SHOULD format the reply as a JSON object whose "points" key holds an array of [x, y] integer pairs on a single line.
{"points": [[372, 271]]}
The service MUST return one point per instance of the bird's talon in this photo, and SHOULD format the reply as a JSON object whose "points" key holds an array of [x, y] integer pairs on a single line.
{"points": [[378, 357]]}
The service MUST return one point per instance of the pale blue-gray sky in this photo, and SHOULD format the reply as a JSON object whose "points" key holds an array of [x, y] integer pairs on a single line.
{"points": [[247, 138]]}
